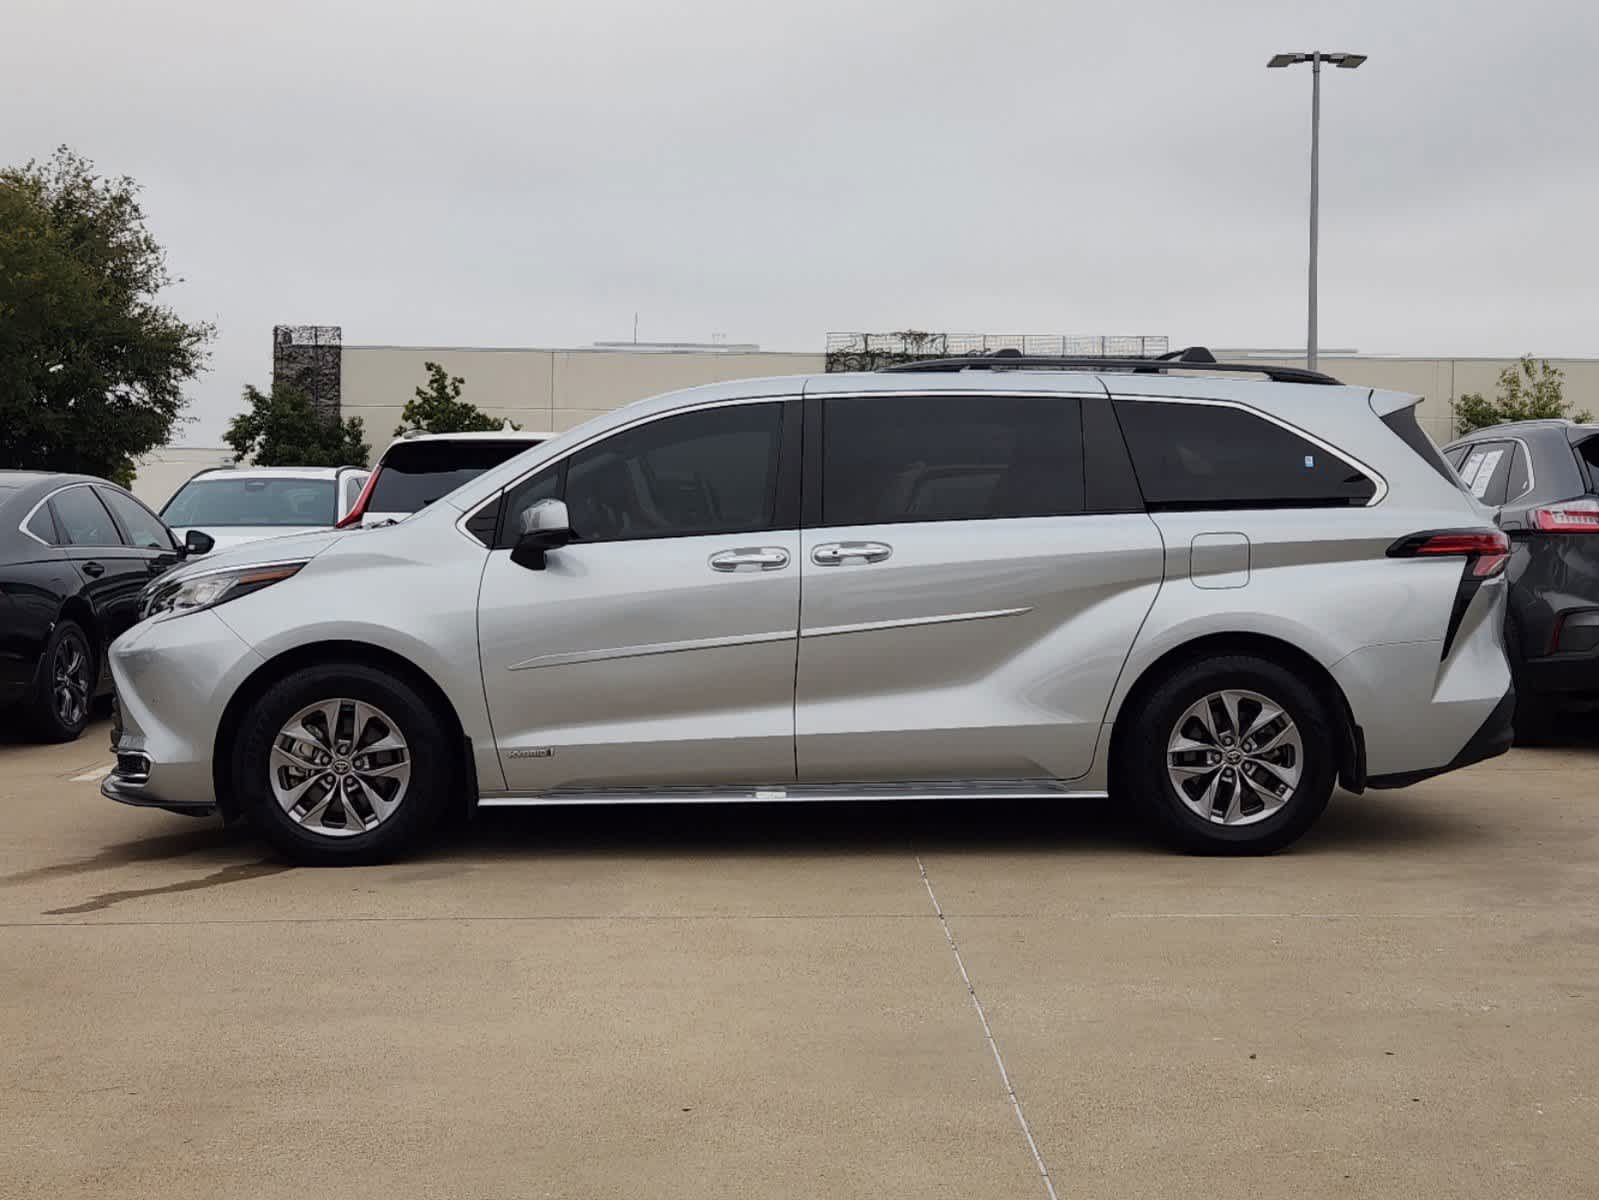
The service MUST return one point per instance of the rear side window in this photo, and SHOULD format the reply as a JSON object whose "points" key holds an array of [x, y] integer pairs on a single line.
{"points": [[83, 519], [1199, 456], [891, 459], [142, 526], [1486, 471], [415, 474], [42, 527]]}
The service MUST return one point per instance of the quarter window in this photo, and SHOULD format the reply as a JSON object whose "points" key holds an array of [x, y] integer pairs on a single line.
{"points": [[42, 527], [1487, 470], [83, 519], [1199, 456], [143, 529], [892, 459]]}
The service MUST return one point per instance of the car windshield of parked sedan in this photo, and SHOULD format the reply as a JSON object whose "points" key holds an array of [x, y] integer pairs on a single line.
{"points": [[208, 503]]}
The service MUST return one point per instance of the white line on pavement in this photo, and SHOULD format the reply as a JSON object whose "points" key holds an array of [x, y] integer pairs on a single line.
{"points": [[1004, 1075], [91, 776]]}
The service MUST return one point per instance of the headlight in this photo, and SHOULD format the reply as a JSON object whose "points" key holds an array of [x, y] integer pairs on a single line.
{"points": [[207, 591]]}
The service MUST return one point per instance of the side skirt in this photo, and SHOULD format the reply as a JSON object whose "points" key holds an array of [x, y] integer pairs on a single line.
{"points": [[1015, 789]]}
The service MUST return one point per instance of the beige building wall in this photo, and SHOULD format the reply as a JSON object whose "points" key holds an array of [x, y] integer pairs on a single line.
{"points": [[556, 389], [540, 389]]}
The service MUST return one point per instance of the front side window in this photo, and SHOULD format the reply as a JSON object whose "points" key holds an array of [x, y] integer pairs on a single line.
{"points": [[83, 519], [893, 459], [143, 528], [1202, 456], [707, 472], [242, 501]]}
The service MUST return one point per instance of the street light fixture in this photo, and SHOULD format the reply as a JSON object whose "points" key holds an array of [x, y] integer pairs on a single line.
{"points": [[1315, 58]]}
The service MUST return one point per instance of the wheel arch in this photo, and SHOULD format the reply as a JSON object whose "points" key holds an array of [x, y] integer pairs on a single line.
{"points": [[320, 654], [1351, 750]]}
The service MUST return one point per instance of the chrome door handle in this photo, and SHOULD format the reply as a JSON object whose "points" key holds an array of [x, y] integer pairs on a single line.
{"points": [[751, 558], [832, 554]]}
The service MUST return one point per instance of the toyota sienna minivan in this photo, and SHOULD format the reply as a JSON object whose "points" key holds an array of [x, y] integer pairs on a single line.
{"points": [[1212, 591]]}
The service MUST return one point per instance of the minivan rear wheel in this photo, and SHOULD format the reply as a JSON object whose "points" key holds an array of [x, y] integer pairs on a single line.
{"points": [[342, 764], [1231, 755]]}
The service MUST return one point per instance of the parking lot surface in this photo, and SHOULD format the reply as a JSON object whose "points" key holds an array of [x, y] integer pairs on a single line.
{"points": [[733, 1001]]}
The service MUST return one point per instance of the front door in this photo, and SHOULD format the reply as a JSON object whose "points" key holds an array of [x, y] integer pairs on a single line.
{"points": [[965, 617], [114, 573], [657, 649]]}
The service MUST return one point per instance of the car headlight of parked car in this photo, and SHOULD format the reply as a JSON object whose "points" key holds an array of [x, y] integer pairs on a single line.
{"points": [[213, 588]]}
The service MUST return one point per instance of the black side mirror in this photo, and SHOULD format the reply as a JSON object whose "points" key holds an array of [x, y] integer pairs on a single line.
{"points": [[545, 527], [196, 543]]}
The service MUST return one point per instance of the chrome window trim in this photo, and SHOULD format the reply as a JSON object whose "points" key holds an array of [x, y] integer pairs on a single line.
{"points": [[460, 524], [1342, 455], [26, 532]]}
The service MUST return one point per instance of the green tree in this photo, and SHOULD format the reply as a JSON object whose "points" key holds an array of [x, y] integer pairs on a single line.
{"points": [[438, 408], [91, 364], [284, 429], [1526, 391]]}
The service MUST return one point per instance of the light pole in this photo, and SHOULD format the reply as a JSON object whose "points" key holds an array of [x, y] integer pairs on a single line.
{"points": [[1315, 58]]}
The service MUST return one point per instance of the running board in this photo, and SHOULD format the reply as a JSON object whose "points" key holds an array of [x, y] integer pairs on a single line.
{"points": [[1029, 789]]}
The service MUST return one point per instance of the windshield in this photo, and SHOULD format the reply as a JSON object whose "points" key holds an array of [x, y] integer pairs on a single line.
{"points": [[414, 475], [209, 503]]}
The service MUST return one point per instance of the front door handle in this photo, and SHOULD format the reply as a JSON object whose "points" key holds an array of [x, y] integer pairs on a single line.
{"points": [[833, 554], [93, 570], [750, 558]]}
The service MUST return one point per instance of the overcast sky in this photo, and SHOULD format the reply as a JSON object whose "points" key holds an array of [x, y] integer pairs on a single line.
{"points": [[528, 173]]}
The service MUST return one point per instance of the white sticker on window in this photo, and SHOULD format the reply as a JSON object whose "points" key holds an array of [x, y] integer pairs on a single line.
{"points": [[1469, 468], [1485, 472]]}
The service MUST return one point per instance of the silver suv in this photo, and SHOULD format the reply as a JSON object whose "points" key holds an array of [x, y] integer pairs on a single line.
{"points": [[1211, 595]]}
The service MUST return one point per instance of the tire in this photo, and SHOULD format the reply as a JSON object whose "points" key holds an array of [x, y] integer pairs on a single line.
{"points": [[1262, 821], [290, 804], [56, 713]]}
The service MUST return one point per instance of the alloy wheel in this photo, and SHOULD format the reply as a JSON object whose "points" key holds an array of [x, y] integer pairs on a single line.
{"points": [[339, 767], [1235, 757], [69, 681]]}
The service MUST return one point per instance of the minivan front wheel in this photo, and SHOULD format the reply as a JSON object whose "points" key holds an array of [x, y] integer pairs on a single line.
{"points": [[1231, 755], [342, 764]]}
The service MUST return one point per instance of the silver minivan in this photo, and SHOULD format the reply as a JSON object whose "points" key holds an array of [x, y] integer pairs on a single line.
{"points": [[1212, 594]]}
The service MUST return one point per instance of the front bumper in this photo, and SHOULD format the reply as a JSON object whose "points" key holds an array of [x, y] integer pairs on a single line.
{"points": [[173, 680]]}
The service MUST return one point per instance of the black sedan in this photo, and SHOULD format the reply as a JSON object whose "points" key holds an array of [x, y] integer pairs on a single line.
{"points": [[1543, 479], [75, 553]]}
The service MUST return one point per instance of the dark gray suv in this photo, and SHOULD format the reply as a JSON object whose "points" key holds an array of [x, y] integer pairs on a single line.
{"points": [[1543, 479]]}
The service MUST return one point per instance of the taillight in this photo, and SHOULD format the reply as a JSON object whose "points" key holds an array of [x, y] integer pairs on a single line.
{"points": [[1486, 550], [1568, 516], [353, 517]]}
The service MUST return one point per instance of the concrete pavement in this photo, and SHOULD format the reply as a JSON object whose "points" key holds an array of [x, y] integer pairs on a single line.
{"points": [[737, 1001]]}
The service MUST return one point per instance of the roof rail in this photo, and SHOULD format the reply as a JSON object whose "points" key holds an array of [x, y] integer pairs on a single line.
{"points": [[1193, 358]]}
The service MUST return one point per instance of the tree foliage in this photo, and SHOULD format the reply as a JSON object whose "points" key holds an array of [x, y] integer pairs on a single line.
{"points": [[91, 365], [1526, 391], [282, 428], [438, 408]]}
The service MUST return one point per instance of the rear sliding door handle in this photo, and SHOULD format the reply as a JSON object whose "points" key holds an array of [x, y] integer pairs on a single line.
{"points": [[751, 558], [833, 554]]}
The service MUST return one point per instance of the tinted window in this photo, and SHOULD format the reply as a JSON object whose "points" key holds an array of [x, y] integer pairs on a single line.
{"points": [[413, 475], [142, 527], [213, 502], [1486, 470], [1520, 474], [83, 519], [351, 484], [42, 527], [1213, 456], [889, 459], [713, 471], [1456, 456]]}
